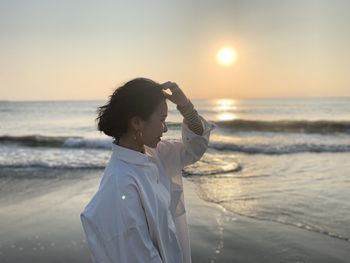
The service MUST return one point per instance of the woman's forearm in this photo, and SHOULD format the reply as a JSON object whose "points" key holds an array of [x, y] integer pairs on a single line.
{"points": [[191, 117]]}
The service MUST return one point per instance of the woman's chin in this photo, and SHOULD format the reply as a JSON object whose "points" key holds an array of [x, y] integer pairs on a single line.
{"points": [[157, 142]]}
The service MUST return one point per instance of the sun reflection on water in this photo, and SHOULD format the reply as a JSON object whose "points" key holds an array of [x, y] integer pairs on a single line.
{"points": [[225, 107]]}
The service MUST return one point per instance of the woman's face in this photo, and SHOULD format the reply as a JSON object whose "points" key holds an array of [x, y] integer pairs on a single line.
{"points": [[155, 126]]}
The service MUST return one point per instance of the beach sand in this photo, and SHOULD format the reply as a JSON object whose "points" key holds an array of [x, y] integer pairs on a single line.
{"points": [[40, 222]]}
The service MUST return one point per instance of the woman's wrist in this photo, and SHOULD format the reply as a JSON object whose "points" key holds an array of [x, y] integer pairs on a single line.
{"points": [[191, 118], [186, 107]]}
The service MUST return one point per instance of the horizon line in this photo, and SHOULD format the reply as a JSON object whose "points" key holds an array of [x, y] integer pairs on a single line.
{"points": [[221, 98]]}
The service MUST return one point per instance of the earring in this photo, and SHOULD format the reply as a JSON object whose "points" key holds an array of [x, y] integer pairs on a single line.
{"points": [[136, 134]]}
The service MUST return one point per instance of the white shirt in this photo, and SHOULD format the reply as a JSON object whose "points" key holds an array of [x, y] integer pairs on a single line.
{"points": [[138, 213]]}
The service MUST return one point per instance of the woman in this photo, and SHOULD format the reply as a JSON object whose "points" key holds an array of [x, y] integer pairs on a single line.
{"points": [[138, 213]]}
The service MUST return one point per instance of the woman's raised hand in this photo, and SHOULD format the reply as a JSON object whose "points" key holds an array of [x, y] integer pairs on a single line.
{"points": [[177, 96]]}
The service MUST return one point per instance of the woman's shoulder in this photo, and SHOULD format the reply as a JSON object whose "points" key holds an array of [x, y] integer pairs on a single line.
{"points": [[118, 174]]}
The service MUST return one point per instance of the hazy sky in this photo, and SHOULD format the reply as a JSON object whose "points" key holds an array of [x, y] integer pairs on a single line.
{"points": [[85, 49]]}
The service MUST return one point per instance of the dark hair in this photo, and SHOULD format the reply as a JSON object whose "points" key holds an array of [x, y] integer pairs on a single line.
{"points": [[137, 97]]}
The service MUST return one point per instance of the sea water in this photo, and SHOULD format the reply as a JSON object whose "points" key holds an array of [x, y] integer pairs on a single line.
{"points": [[282, 160]]}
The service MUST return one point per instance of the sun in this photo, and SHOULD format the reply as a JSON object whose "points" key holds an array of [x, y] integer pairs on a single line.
{"points": [[226, 56]]}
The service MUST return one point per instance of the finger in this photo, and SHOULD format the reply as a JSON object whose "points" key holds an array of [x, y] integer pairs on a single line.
{"points": [[169, 85], [166, 94], [165, 84], [169, 97]]}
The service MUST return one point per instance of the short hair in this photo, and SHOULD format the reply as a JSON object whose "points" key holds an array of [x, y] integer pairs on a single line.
{"points": [[137, 97]]}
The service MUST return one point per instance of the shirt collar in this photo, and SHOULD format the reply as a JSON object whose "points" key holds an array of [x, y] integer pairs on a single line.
{"points": [[131, 156]]}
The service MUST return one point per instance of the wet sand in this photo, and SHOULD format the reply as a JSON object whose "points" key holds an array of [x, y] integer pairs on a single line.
{"points": [[39, 222]]}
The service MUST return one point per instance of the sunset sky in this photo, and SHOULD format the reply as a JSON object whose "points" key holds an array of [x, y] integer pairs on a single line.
{"points": [[58, 50]]}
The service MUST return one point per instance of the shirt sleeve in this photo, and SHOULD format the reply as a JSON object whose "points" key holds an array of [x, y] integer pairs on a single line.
{"points": [[174, 156], [112, 242], [177, 155]]}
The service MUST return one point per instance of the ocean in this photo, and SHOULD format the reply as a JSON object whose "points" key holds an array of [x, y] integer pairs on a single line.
{"points": [[280, 160]]}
